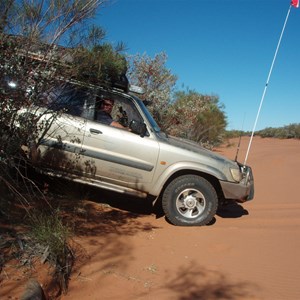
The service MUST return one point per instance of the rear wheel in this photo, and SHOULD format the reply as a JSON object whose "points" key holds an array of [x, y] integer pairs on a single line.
{"points": [[190, 200]]}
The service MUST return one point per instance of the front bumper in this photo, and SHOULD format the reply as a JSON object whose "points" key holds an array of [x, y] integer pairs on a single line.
{"points": [[242, 191]]}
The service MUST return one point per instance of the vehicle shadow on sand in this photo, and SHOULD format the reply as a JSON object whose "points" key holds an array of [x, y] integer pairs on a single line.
{"points": [[147, 207], [232, 210], [143, 206], [135, 205]]}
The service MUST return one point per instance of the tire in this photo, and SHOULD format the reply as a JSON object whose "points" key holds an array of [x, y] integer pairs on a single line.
{"points": [[190, 200]]}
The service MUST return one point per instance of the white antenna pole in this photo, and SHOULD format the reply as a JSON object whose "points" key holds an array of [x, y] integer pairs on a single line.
{"points": [[267, 83]]}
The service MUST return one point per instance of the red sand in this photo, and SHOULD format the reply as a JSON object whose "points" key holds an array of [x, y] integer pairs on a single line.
{"points": [[251, 251]]}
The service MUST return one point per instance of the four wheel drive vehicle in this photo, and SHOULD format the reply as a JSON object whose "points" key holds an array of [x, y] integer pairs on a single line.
{"points": [[139, 160]]}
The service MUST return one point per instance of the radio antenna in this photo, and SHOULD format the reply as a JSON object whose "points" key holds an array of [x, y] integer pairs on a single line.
{"points": [[294, 3], [239, 144]]}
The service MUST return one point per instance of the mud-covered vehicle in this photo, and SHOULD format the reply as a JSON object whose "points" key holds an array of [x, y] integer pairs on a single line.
{"points": [[139, 159]]}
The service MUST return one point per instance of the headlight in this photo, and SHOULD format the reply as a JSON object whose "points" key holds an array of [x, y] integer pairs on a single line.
{"points": [[236, 174]]}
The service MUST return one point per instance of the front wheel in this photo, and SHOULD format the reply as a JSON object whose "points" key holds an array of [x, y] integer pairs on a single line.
{"points": [[190, 200]]}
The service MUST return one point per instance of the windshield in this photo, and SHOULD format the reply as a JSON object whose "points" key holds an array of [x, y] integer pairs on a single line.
{"points": [[148, 115]]}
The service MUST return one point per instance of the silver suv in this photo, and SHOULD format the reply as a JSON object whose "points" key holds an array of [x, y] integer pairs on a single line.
{"points": [[138, 159]]}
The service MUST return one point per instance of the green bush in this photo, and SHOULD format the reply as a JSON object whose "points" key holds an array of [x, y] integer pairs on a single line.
{"points": [[49, 232], [197, 117], [285, 132]]}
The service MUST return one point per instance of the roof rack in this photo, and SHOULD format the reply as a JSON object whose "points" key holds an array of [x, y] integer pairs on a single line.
{"points": [[63, 55]]}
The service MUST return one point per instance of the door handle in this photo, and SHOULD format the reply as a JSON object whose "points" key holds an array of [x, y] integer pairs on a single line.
{"points": [[95, 131]]}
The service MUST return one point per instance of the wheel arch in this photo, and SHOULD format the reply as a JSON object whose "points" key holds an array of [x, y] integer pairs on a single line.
{"points": [[210, 178]]}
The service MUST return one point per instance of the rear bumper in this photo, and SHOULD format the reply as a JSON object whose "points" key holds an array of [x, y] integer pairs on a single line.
{"points": [[242, 191]]}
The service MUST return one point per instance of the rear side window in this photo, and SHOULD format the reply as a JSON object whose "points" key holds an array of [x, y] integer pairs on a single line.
{"points": [[70, 99]]}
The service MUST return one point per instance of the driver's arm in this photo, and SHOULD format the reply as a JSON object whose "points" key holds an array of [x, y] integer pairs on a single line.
{"points": [[117, 124]]}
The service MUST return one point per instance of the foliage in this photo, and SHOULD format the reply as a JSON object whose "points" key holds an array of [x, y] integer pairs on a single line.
{"points": [[285, 132], [291, 131], [197, 117], [157, 81], [102, 63], [235, 133], [47, 24], [50, 21], [190, 115], [49, 232]]}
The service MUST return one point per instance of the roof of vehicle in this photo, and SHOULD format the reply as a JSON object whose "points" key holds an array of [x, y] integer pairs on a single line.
{"points": [[42, 52]]}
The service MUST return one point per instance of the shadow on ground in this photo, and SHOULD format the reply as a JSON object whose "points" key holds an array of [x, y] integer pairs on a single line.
{"points": [[232, 210], [193, 282], [141, 206]]}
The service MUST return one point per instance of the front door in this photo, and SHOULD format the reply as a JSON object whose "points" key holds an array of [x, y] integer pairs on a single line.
{"points": [[117, 155]]}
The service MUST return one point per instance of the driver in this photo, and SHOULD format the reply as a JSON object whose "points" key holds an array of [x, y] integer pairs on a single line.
{"points": [[104, 113]]}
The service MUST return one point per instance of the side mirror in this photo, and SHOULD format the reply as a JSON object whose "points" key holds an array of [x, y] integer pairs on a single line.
{"points": [[138, 127]]}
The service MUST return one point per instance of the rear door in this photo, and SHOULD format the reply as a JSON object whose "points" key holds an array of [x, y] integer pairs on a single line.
{"points": [[60, 147], [62, 129]]}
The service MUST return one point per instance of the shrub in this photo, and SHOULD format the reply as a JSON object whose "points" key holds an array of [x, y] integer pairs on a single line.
{"points": [[49, 233]]}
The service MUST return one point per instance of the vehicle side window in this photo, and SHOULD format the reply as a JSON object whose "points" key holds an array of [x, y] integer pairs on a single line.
{"points": [[70, 99], [124, 107], [123, 110]]}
